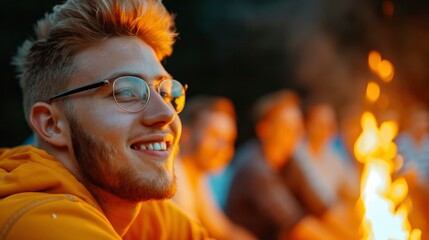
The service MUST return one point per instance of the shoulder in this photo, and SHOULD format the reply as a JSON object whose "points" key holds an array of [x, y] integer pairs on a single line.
{"points": [[403, 138], [52, 216]]}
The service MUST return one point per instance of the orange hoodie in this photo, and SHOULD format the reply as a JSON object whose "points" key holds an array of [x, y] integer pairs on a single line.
{"points": [[41, 199]]}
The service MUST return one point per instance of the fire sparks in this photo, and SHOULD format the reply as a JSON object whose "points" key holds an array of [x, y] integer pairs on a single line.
{"points": [[382, 67], [372, 92]]}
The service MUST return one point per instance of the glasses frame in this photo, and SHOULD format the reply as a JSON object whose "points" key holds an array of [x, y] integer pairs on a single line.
{"points": [[112, 81]]}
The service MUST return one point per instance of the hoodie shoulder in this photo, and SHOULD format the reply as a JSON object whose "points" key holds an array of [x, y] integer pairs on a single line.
{"points": [[52, 216]]}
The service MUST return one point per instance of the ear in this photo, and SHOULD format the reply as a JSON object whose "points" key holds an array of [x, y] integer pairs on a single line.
{"points": [[49, 124]]}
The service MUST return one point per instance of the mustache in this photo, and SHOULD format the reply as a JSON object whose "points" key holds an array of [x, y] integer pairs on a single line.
{"points": [[139, 135]]}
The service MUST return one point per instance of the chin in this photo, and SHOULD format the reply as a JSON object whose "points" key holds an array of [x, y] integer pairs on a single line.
{"points": [[161, 191]]}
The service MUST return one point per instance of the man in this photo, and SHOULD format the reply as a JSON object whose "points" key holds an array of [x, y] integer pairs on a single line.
{"points": [[206, 146], [105, 116]]}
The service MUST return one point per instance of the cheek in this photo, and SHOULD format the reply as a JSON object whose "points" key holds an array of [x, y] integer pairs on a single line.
{"points": [[206, 148], [279, 137], [108, 124]]}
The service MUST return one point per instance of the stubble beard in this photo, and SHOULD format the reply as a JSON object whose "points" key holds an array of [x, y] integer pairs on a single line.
{"points": [[94, 159]]}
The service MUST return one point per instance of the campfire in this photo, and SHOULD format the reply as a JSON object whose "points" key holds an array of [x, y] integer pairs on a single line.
{"points": [[384, 205]]}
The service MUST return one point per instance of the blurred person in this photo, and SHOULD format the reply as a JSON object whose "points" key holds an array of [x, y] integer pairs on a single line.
{"points": [[106, 132], [206, 146], [349, 129], [318, 159], [413, 146], [260, 199], [336, 181]]}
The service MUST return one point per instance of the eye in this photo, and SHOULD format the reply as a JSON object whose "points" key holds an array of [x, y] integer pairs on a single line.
{"points": [[126, 94], [166, 96]]}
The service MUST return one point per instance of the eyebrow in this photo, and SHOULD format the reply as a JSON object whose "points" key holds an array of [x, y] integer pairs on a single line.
{"points": [[157, 78]]}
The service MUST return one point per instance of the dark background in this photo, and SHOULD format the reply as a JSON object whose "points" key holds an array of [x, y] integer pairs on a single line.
{"points": [[245, 48]]}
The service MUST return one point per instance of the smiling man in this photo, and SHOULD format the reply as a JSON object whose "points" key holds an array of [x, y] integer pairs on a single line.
{"points": [[105, 115]]}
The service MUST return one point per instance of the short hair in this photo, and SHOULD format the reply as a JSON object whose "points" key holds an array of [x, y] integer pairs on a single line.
{"points": [[201, 104], [45, 63], [313, 103], [270, 102]]}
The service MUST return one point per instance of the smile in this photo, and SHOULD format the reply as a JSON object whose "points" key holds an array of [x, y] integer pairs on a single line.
{"points": [[154, 146]]}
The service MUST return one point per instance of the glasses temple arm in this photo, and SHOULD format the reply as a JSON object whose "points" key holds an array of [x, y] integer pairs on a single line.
{"points": [[80, 89]]}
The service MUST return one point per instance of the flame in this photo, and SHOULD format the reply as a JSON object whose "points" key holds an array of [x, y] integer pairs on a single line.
{"points": [[382, 67], [374, 59], [386, 70], [385, 206], [372, 91]]}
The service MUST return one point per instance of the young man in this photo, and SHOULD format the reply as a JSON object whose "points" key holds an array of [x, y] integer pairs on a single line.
{"points": [[105, 116]]}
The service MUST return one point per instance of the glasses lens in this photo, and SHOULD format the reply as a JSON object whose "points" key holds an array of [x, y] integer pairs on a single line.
{"points": [[173, 92], [131, 93]]}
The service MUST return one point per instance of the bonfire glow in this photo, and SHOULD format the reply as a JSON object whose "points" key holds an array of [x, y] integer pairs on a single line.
{"points": [[382, 67], [384, 203], [372, 91]]}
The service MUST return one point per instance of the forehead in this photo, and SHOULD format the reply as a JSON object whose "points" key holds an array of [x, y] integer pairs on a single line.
{"points": [[119, 55], [217, 120], [286, 113], [322, 112]]}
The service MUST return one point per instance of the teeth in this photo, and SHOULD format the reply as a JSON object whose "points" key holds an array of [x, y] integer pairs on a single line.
{"points": [[155, 146]]}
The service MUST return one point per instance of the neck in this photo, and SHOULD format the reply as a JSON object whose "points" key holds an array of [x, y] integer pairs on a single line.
{"points": [[274, 160], [120, 213], [316, 147]]}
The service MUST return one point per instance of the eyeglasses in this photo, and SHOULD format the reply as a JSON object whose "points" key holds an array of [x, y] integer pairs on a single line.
{"points": [[132, 94]]}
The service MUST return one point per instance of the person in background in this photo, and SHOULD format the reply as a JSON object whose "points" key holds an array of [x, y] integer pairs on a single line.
{"points": [[260, 199], [349, 129], [336, 182], [105, 116], [413, 146], [318, 159], [207, 146]]}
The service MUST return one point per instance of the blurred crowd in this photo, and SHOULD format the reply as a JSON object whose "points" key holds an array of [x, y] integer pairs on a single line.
{"points": [[296, 178]]}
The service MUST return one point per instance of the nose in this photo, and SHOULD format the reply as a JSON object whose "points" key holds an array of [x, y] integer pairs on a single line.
{"points": [[157, 111]]}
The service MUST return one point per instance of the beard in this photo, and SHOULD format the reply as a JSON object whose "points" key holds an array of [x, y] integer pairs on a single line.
{"points": [[94, 161]]}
